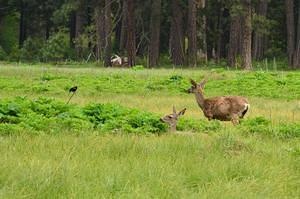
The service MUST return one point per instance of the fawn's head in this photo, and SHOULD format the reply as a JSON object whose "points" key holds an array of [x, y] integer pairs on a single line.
{"points": [[171, 119], [197, 87]]}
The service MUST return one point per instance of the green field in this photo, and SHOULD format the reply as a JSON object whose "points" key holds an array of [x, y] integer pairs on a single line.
{"points": [[108, 142]]}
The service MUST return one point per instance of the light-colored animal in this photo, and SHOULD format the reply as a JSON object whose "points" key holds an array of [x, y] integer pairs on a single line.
{"points": [[224, 108], [119, 61], [172, 119]]}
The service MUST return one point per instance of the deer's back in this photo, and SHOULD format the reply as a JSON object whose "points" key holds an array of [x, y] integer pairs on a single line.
{"points": [[222, 108]]}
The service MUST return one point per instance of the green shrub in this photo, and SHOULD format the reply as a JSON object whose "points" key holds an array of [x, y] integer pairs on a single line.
{"points": [[3, 54], [9, 31], [15, 54], [262, 126], [31, 50], [258, 125], [50, 116], [138, 67], [145, 122], [288, 130], [57, 48], [41, 115], [109, 117], [173, 84], [198, 125], [10, 129], [48, 107], [10, 112]]}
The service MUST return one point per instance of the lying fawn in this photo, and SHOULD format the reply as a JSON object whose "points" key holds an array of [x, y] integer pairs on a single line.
{"points": [[172, 119]]}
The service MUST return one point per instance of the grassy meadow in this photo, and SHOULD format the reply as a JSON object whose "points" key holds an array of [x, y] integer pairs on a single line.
{"points": [[109, 143]]}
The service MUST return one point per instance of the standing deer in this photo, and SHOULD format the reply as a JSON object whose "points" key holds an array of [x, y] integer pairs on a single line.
{"points": [[172, 118], [224, 108]]}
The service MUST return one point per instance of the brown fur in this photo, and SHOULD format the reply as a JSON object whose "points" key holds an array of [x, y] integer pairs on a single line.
{"points": [[224, 108]]}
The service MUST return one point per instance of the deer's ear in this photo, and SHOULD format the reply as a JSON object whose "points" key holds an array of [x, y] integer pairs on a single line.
{"points": [[193, 82], [182, 111], [202, 83], [174, 109]]}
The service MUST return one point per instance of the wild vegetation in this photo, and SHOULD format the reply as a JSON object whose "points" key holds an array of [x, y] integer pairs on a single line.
{"points": [[109, 140]]}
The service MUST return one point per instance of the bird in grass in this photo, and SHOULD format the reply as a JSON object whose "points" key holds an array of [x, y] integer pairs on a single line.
{"points": [[73, 91]]}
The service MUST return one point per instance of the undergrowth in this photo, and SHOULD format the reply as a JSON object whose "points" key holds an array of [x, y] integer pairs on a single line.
{"points": [[49, 116]]}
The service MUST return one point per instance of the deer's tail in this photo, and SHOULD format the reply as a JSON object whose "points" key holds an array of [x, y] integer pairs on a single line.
{"points": [[247, 106]]}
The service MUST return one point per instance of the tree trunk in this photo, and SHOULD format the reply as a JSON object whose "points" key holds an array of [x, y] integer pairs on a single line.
{"points": [[72, 26], [108, 33], [1, 23], [131, 46], [259, 39], [247, 36], [23, 25], [123, 37], [117, 32], [202, 52], [176, 34], [296, 59], [100, 29], [80, 17], [289, 6], [224, 33], [89, 16], [234, 40], [47, 28], [192, 33], [154, 33], [220, 49]]}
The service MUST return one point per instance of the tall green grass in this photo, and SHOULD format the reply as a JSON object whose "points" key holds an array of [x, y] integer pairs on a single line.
{"points": [[211, 166]]}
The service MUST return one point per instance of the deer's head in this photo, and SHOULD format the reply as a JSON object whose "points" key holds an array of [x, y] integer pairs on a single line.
{"points": [[197, 87], [172, 119]]}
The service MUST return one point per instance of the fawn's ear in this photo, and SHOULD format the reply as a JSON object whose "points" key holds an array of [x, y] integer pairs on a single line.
{"points": [[193, 82], [182, 111]]}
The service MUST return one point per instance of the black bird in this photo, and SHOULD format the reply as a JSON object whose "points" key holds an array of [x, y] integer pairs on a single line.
{"points": [[73, 89]]}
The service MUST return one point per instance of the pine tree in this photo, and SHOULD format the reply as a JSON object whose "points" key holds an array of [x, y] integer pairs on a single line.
{"points": [[154, 33]]}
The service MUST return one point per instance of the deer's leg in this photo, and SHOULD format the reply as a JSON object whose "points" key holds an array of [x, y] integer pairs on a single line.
{"points": [[209, 116], [235, 120]]}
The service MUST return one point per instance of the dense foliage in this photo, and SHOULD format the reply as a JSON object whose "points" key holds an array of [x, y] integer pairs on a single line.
{"points": [[33, 30], [49, 116]]}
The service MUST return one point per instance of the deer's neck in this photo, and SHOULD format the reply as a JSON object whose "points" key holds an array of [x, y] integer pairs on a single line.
{"points": [[173, 128], [200, 99]]}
